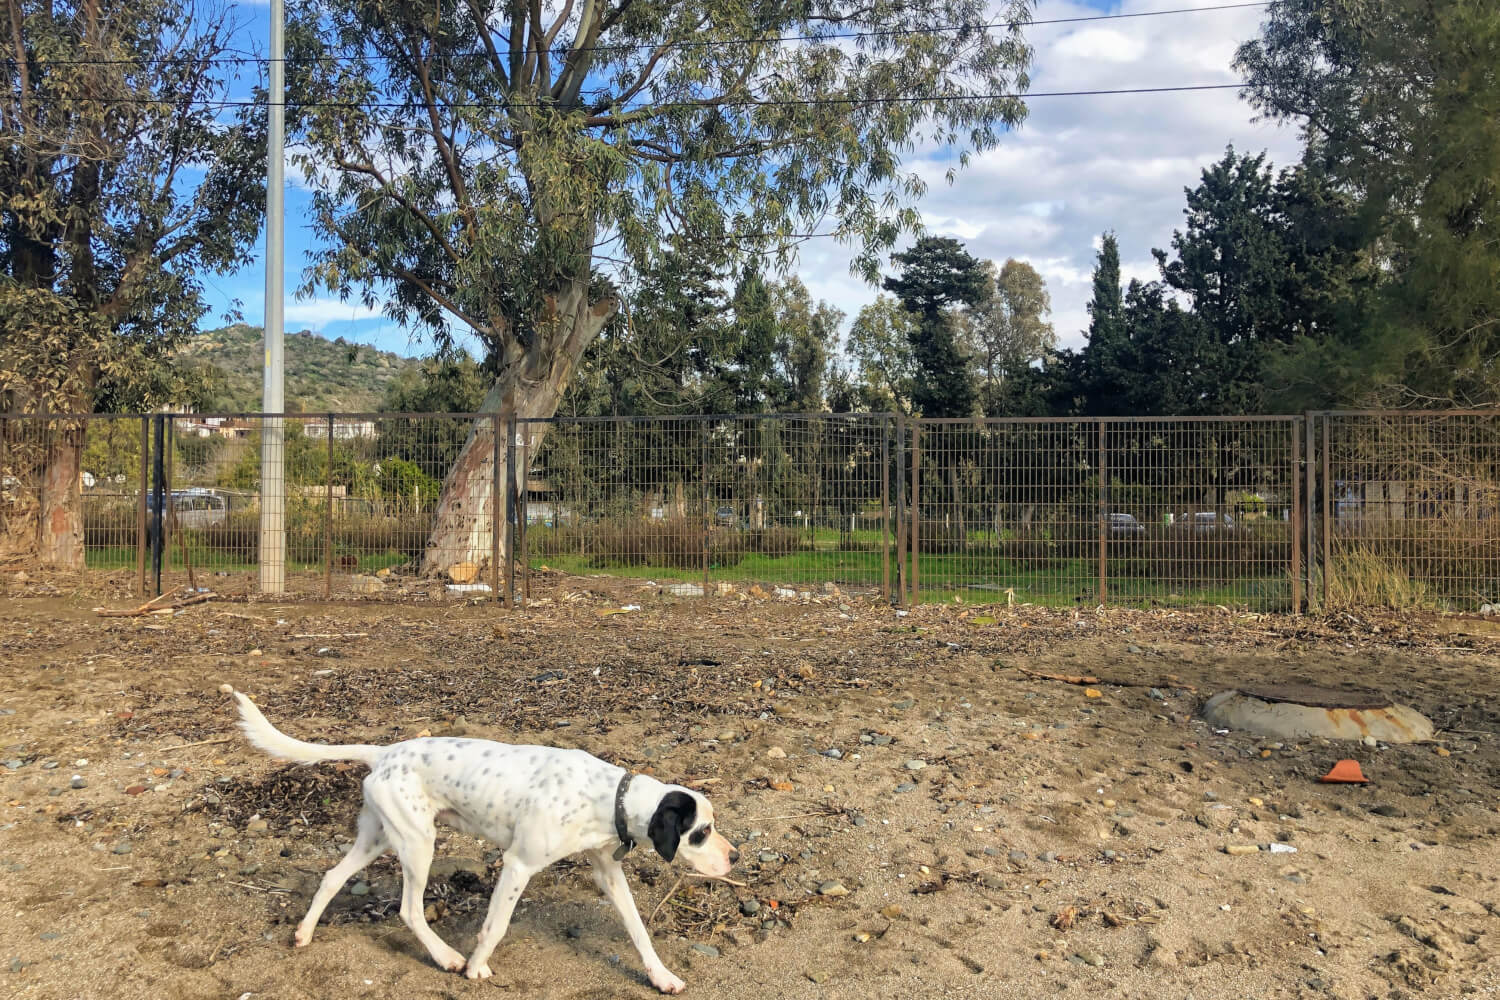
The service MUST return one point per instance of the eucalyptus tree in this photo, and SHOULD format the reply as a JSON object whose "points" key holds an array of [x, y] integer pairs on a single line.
{"points": [[126, 174], [485, 166]]}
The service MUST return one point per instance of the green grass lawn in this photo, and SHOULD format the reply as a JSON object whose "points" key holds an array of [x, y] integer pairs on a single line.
{"points": [[850, 559]]}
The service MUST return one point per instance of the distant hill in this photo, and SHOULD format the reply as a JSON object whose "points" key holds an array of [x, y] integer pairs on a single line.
{"points": [[321, 375]]}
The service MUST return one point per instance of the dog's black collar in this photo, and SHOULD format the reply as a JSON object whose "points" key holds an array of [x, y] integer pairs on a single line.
{"points": [[627, 843]]}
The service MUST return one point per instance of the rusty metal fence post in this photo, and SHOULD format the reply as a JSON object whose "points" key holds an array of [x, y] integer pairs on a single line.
{"points": [[1296, 515], [885, 508], [1310, 488], [328, 517], [707, 508], [510, 513], [169, 514], [522, 519], [916, 510], [158, 438], [1329, 495], [902, 574], [1103, 504], [142, 539]]}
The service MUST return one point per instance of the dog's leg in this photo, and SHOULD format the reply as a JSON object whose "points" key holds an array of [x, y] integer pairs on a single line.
{"points": [[612, 881], [414, 848], [369, 845], [513, 879]]}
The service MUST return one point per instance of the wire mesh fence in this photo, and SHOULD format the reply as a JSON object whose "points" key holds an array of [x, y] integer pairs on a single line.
{"points": [[1412, 510], [1176, 511], [1268, 513]]}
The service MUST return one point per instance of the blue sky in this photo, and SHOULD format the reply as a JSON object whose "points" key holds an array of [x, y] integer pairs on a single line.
{"points": [[1077, 167]]}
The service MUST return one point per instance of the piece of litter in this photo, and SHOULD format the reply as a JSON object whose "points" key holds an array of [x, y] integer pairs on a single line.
{"points": [[1281, 849], [469, 588]]}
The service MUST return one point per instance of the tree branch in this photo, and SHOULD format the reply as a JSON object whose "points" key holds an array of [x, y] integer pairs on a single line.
{"points": [[390, 191]]}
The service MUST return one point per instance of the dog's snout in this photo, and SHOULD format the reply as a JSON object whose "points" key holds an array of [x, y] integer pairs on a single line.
{"points": [[734, 855]]}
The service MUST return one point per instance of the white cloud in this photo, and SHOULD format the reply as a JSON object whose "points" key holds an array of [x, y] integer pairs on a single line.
{"points": [[1083, 165], [315, 314]]}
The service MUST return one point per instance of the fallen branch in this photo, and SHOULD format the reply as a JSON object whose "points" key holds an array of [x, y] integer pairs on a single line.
{"points": [[719, 878], [670, 893], [1064, 678], [147, 609], [1083, 680], [200, 743]]}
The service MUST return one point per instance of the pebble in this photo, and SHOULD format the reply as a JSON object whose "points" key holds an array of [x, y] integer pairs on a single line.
{"points": [[1370, 741], [749, 907], [769, 857], [880, 740], [903, 704], [728, 736], [706, 949], [915, 765], [50, 765], [819, 976], [77, 782], [991, 881], [776, 753], [1111, 856], [1156, 695], [1091, 958], [834, 752], [360, 888], [1047, 856], [905, 786], [992, 852], [123, 847], [832, 887], [1017, 857], [14, 765], [256, 827], [866, 738], [1059, 725]]}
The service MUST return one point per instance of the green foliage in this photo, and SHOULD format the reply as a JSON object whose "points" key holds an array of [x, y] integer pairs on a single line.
{"points": [[1006, 332], [938, 273], [880, 347], [471, 163], [121, 182], [405, 481], [1400, 104]]}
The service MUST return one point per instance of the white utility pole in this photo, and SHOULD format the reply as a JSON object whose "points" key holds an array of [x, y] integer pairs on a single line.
{"points": [[273, 399]]}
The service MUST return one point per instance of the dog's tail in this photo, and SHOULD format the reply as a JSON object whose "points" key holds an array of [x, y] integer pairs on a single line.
{"points": [[266, 737]]}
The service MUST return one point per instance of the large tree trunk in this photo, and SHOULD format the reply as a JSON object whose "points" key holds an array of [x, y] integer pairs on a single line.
{"points": [[60, 521], [531, 384]]}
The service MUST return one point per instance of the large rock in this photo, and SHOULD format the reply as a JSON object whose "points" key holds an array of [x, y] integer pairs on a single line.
{"points": [[1304, 713]]}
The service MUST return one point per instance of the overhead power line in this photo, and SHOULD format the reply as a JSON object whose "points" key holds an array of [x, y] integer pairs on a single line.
{"points": [[687, 43], [746, 102]]}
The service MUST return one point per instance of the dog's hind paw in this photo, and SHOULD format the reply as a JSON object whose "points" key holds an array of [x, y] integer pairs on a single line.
{"points": [[480, 971]]}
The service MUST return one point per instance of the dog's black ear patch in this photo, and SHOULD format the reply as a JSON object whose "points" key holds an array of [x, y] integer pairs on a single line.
{"points": [[673, 817]]}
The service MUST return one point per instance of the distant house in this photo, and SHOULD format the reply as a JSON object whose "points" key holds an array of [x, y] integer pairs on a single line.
{"points": [[343, 430]]}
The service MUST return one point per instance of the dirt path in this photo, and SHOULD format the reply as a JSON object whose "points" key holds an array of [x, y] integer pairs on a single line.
{"points": [[996, 835]]}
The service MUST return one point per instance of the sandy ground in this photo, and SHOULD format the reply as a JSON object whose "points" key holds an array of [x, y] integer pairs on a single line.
{"points": [[918, 817]]}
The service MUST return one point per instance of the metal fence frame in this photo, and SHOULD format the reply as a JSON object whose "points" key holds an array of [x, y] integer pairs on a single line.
{"points": [[899, 481]]}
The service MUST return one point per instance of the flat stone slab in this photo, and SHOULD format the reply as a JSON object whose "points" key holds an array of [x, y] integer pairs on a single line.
{"points": [[1326, 714]]}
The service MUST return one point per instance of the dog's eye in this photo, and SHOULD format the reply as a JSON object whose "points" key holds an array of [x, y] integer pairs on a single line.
{"points": [[700, 836]]}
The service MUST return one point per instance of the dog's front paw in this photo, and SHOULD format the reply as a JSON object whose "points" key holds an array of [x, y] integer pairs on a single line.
{"points": [[666, 982], [303, 937], [480, 971]]}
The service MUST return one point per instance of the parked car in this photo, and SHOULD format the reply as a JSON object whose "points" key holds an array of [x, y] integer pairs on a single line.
{"points": [[726, 517], [1123, 526], [1207, 522], [199, 508]]}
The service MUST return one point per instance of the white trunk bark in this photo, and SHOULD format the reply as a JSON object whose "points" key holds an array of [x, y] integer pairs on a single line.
{"points": [[60, 527], [530, 387]]}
